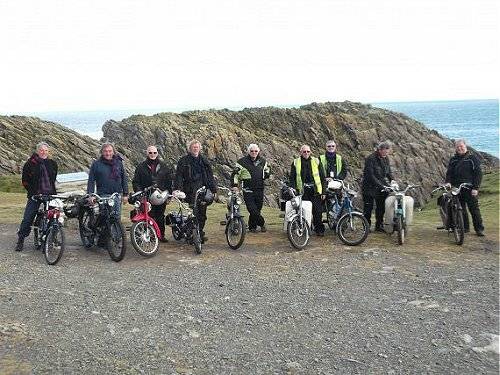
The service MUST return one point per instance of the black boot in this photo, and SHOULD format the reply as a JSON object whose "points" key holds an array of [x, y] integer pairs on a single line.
{"points": [[19, 244]]}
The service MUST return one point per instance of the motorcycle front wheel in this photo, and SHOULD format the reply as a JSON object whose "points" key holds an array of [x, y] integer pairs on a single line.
{"points": [[197, 239], [458, 226], [54, 244], [115, 241], [235, 232], [401, 230], [298, 232], [144, 238], [353, 228]]}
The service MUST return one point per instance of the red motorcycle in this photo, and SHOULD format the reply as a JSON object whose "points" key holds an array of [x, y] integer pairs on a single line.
{"points": [[145, 233]]}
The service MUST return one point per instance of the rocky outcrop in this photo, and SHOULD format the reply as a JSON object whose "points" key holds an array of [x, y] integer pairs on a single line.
{"points": [[420, 155], [19, 136]]}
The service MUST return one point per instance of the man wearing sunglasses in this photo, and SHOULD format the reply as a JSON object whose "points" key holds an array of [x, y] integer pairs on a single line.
{"points": [[333, 164], [154, 171], [306, 176], [251, 171]]}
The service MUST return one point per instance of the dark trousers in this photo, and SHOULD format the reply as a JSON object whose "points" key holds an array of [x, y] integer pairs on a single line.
{"points": [[379, 200], [254, 202], [467, 200], [28, 217], [201, 214], [317, 210], [158, 214]]}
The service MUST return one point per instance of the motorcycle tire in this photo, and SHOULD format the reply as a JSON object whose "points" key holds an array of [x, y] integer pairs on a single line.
{"points": [[144, 239]]}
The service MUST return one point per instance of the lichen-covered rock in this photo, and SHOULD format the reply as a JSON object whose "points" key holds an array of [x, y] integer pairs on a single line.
{"points": [[420, 155], [20, 134]]}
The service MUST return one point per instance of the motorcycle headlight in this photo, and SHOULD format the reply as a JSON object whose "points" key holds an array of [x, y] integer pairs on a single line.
{"points": [[137, 204], [295, 202], [238, 200], [111, 202]]}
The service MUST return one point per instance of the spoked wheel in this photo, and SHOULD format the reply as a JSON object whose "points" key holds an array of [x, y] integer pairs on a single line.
{"points": [[144, 238], [458, 226], [235, 232], [176, 233], [54, 244], [86, 234], [401, 230], [353, 228], [298, 232], [197, 239], [115, 241]]}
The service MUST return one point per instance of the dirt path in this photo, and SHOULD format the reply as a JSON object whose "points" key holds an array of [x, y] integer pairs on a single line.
{"points": [[377, 308]]}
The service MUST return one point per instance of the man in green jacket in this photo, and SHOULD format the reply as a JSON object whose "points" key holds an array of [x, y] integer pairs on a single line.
{"points": [[251, 171]]}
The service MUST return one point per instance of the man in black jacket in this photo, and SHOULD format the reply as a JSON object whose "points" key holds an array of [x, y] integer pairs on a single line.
{"points": [[251, 171], [39, 176], [154, 171], [376, 175], [465, 166], [194, 171], [308, 170]]}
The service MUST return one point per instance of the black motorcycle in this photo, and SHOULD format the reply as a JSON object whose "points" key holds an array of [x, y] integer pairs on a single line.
{"points": [[451, 210], [235, 224], [99, 223], [184, 221]]}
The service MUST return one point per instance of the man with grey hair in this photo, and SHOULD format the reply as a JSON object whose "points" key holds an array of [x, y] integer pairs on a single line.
{"points": [[334, 166], [194, 171], [39, 176], [251, 171], [377, 174], [465, 166]]}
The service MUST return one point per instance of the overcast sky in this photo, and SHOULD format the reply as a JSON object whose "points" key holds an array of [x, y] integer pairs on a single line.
{"points": [[121, 54]]}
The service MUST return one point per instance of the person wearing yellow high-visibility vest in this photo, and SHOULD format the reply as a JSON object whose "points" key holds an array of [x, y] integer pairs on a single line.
{"points": [[334, 166], [308, 170]]}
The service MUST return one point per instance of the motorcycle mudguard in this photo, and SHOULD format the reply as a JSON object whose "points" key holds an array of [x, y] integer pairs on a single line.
{"points": [[290, 213], [142, 217]]}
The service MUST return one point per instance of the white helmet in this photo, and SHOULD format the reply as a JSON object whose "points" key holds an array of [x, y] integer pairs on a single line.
{"points": [[158, 197], [334, 185]]}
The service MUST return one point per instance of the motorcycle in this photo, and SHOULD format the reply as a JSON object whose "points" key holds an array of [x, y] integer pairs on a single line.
{"points": [[350, 225], [145, 233], [235, 224], [48, 227], [398, 210], [99, 221], [184, 221], [451, 210], [297, 217]]}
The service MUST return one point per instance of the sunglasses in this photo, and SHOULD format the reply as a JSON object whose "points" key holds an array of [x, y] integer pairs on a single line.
{"points": [[331, 146], [306, 152], [254, 150], [152, 153]]}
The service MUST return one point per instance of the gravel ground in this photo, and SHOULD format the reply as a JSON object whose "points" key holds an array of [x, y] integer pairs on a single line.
{"points": [[260, 310]]}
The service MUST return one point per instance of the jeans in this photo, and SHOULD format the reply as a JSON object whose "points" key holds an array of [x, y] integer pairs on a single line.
{"points": [[29, 215]]}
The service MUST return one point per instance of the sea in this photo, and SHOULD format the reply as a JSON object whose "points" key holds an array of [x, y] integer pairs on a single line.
{"points": [[476, 121]]}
